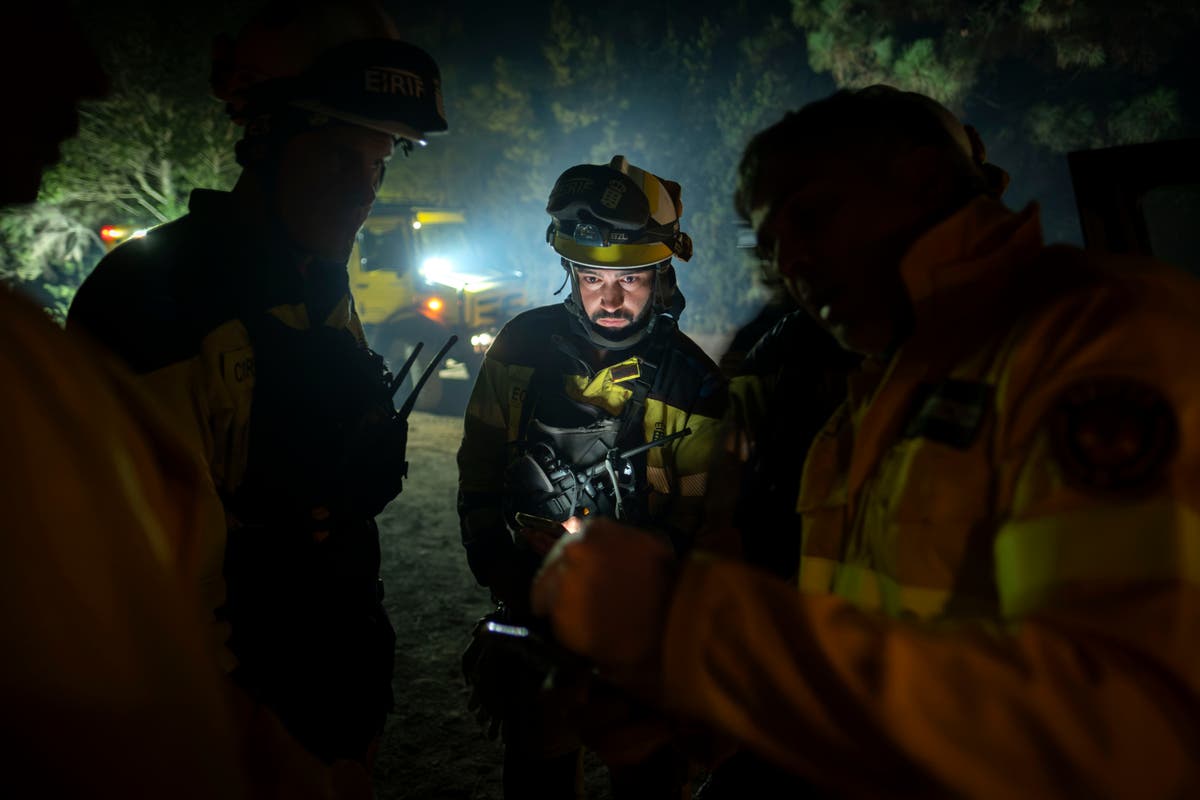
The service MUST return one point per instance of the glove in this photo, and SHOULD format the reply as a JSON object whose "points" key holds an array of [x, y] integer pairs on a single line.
{"points": [[508, 676], [499, 680], [486, 700]]}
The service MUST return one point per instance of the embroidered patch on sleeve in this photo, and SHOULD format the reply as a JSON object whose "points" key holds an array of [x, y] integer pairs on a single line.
{"points": [[1113, 435], [951, 412]]}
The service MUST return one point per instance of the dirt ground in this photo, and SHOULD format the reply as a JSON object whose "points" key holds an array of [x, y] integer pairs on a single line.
{"points": [[432, 747]]}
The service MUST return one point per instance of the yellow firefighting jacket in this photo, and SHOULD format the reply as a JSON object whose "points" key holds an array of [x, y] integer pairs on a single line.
{"points": [[105, 651], [688, 393], [1001, 547], [108, 525], [170, 305]]}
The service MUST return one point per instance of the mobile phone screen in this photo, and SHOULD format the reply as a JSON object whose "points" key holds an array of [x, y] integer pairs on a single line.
{"points": [[539, 523]]}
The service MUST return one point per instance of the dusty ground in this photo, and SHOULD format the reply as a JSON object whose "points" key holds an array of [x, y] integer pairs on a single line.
{"points": [[432, 747]]}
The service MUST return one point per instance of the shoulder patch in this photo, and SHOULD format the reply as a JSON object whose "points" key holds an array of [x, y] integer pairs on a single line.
{"points": [[1113, 435], [951, 412], [625, 372]]}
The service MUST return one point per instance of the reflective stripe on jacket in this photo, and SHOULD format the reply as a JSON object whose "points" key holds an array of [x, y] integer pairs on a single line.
{"points": [[96, 609]]}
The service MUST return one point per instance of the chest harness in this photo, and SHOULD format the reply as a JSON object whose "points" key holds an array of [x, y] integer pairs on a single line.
{"points": [[575, 460]]}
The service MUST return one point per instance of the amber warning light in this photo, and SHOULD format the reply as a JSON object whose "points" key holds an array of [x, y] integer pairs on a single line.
{"points": [[434, 304], [111, 234]]}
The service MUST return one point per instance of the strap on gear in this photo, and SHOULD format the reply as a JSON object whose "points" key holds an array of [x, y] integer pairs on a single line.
{"points": [[621, 447], [634, 412]]}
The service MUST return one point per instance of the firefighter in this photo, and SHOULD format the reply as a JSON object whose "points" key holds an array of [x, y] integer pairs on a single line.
{"points": [[238, 317], [564, 392], [785, 388], [789, 383], [998, 571], [100, 497]]}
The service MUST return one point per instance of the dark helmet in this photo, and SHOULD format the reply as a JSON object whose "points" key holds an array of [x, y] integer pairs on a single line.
{"points": [[343, 62], [617, 216]]}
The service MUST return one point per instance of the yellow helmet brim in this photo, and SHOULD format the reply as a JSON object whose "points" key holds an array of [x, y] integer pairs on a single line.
{"points": [[616, 256]]}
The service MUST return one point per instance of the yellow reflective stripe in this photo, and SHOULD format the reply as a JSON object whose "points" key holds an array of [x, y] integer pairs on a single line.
{"points": [[868, 589], [1155, 539]]}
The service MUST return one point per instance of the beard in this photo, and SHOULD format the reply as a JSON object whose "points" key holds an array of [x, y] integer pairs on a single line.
{"points": [[636, 324]]}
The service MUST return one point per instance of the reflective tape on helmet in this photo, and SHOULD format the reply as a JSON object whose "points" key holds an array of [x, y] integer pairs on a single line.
{"points": [[629, 256]]}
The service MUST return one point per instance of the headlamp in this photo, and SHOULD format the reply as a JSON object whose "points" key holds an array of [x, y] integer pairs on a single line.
{"points": [[586, 233], [596, 234]]}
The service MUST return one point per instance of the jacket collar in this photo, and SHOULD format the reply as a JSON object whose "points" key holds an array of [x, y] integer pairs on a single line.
{"points": [[964, 277], [967, 262], [263, 263]]}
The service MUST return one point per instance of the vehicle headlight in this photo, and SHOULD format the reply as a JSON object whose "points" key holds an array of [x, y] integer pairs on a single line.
{"points": [[436, 269], [481, 341]]}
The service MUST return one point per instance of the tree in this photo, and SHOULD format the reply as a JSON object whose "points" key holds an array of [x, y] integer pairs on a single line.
{"points": [[1039, 78], [943, 47], [677, 87], [139, 152], [677, 90]]}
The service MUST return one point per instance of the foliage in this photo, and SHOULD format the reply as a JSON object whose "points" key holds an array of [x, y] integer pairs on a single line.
{"points": [[943, 48], [1038, 78], [1076, 126], [44, 250], [138, 154], [677, 91], [677, 87]]}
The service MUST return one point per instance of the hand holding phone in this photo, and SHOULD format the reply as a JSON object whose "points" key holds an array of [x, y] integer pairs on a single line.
{"points": [[539, 533]]}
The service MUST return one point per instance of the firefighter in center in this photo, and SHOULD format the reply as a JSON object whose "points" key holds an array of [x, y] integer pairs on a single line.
{"points": [[566, 391]]}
